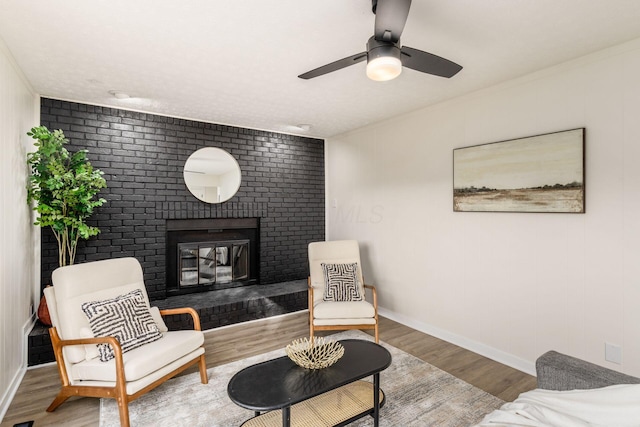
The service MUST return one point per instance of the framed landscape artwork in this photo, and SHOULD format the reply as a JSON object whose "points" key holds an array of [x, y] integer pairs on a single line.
{"points": [[543, 173]]}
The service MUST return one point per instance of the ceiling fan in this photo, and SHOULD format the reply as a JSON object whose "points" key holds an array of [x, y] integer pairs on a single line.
{"points": [[385, 58]]}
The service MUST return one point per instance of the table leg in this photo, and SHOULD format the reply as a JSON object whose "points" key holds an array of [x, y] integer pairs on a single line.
{"points": [[286, 416], [376, 399]]}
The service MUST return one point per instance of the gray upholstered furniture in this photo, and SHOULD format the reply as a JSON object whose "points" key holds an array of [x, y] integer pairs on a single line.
{"points": [[113, 292], [557, 371], [572, 393]]}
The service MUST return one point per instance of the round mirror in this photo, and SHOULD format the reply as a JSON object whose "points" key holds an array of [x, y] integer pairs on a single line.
{"points": [[212, 175]]}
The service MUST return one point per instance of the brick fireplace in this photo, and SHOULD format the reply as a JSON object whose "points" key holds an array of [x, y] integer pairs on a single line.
{"points": [[142, 157]]}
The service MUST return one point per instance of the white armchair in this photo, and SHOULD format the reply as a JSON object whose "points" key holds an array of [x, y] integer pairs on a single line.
{"points": [[337, 289], [145, 353]]}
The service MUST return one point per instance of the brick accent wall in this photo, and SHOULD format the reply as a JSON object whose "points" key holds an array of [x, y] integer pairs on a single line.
{"points": [[142, 156]]}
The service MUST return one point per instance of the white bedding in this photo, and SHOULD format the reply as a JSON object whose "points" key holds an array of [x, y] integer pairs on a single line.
{"points": [[614, 406]]}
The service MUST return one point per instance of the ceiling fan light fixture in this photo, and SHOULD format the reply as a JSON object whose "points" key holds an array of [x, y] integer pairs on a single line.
{"points": [[384, 68], [383, 60]]}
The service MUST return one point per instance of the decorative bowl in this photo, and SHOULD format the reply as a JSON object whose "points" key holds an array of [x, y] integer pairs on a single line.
{"points": [[317, 353]]}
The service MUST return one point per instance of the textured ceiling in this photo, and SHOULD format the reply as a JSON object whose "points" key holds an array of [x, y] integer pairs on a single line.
{"points": [[236, 61]]}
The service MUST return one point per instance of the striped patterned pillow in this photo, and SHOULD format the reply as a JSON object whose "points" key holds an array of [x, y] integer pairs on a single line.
{"points": [[341, 282], [125, 317]]}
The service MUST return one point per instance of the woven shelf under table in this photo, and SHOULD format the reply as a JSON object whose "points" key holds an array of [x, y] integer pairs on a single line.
{"points": [[328, 409]]}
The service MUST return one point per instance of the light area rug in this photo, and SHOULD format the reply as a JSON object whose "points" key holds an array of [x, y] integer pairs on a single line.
{"points": [[417, 394]]}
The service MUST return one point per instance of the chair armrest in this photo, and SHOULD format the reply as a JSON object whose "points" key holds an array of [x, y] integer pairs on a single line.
{"points": [[184, 310], [96, 340], [310, 298], [375, 296], [58, 344], [557, 371]]}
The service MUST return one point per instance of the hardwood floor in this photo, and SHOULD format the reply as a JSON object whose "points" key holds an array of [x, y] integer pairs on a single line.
{"points": [[40, 385]]}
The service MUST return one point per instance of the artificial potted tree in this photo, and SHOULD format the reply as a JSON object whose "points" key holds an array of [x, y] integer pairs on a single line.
{"points": [[64, 188]]}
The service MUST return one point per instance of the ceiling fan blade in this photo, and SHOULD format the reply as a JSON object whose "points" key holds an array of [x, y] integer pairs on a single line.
{"points": [[391, 15], [428, 63], [334, 66]]}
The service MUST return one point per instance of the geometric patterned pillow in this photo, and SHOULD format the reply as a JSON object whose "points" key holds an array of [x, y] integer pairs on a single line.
{"points": [[125, 317], [341, 282]]}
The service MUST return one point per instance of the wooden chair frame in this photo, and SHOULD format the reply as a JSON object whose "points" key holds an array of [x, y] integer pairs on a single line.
{"points": [[119, 391], [313, 328]]}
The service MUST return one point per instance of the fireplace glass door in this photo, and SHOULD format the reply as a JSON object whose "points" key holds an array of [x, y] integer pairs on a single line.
{"points": [[208, 263]]}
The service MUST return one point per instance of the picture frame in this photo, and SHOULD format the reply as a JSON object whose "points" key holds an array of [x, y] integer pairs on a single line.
{"points": [[541, 173]]}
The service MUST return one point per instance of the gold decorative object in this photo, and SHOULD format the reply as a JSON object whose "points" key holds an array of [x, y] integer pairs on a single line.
{"points": [[314, 354]]}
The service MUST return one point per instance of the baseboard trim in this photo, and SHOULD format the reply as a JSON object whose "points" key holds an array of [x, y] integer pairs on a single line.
{"points": [[464, 342], [11, 391], [8, 396]]}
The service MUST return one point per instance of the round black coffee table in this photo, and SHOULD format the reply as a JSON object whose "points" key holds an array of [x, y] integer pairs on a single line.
{"points": [[280, 384]]}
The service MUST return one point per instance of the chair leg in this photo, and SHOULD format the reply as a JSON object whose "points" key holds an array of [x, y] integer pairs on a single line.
{"points": [[59, 400], [121, 392], [123, 409], [377, 334], [204, 378]]}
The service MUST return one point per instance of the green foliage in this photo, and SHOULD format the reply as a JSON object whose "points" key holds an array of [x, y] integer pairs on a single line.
{"points": [[64, 187]]}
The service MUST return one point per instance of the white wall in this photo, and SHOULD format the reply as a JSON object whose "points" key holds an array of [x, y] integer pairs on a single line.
{"points": [[510, 286], [19, 240]]}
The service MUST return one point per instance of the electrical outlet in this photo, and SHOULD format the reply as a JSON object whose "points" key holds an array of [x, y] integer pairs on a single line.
{"points": [[613, 353]]}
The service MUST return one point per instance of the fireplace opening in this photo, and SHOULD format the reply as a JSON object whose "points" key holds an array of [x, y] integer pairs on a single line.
{"points": [[211, 254], [208, 263]]}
